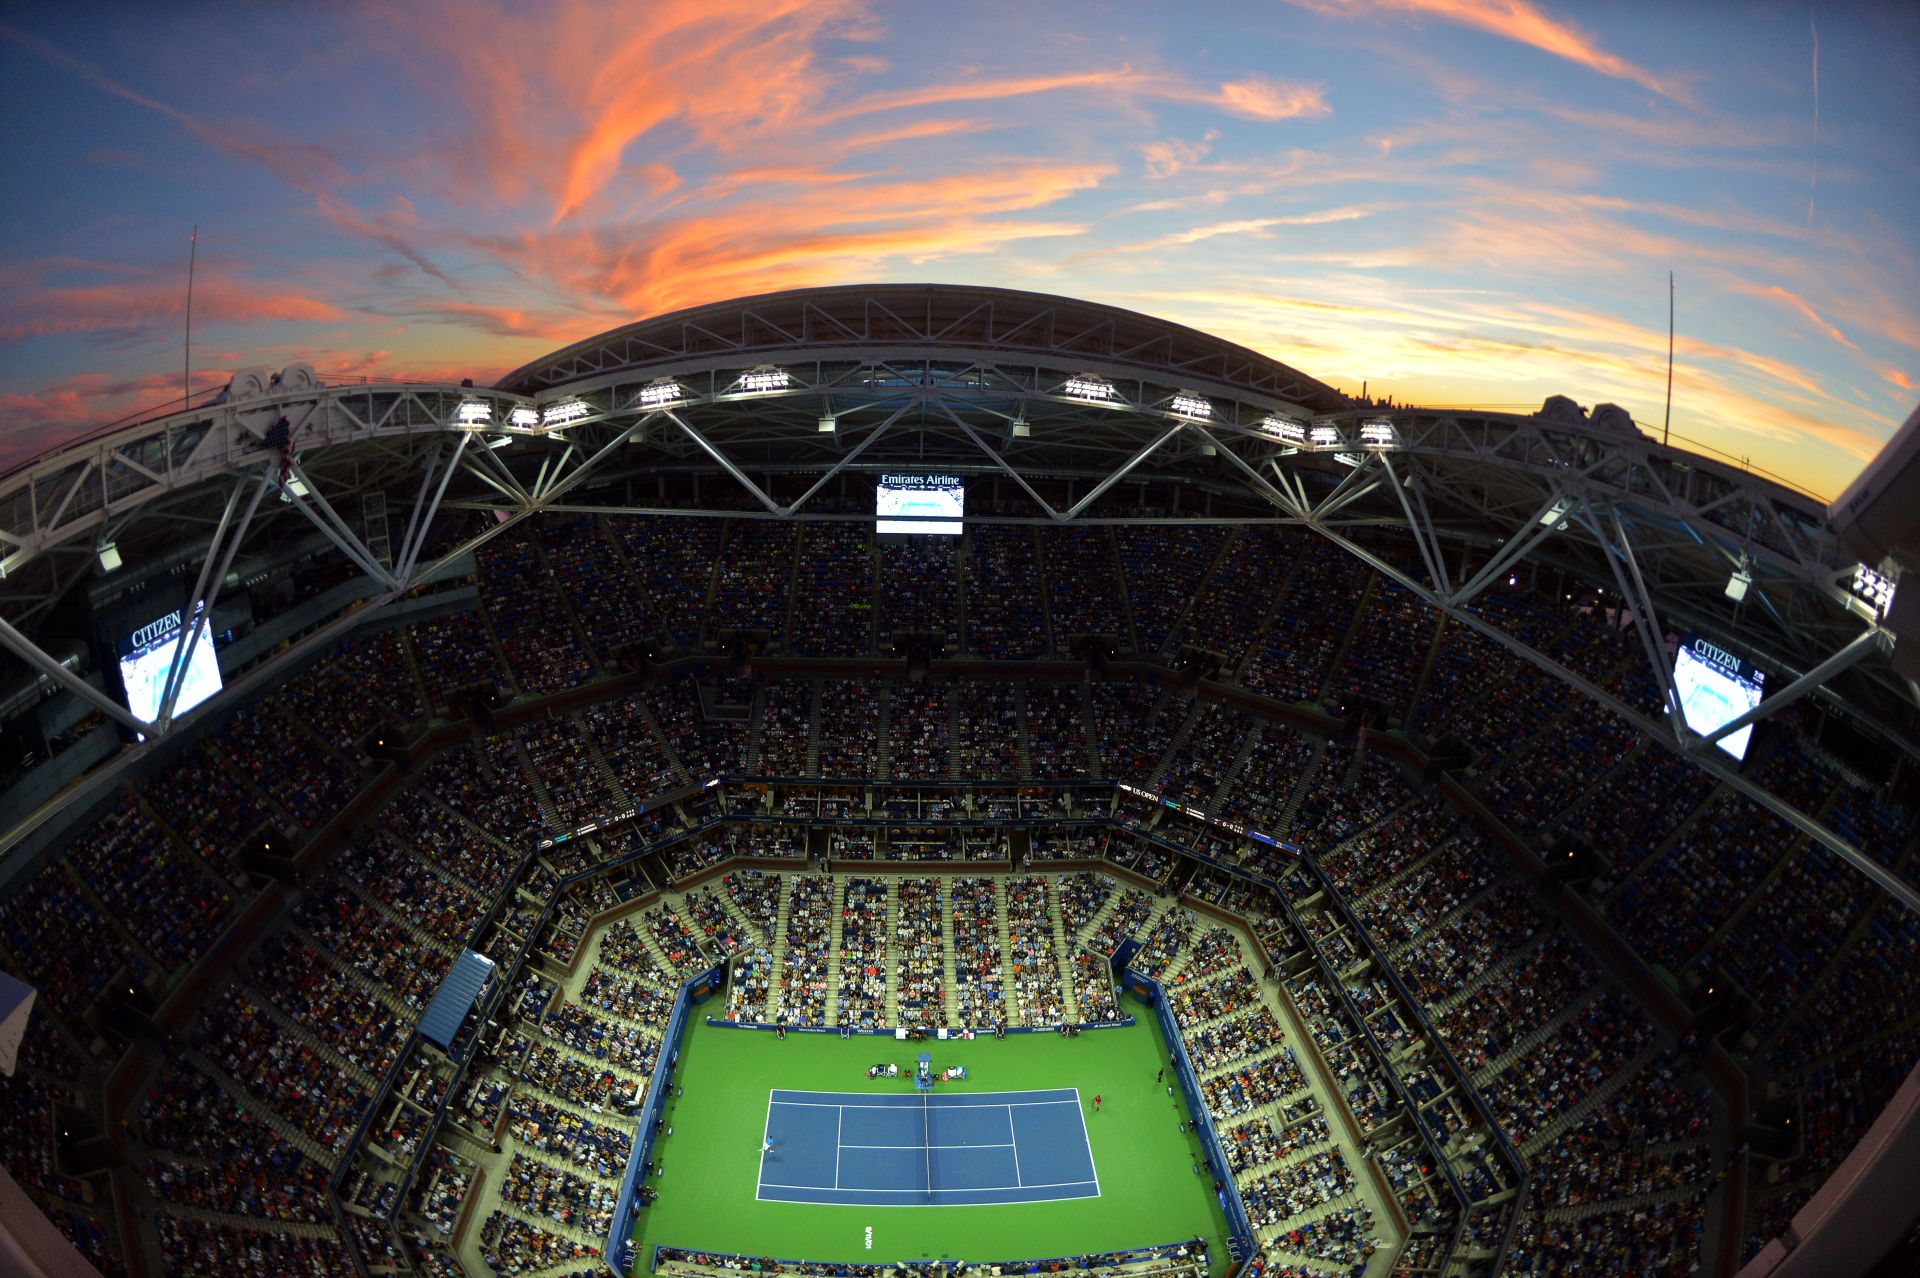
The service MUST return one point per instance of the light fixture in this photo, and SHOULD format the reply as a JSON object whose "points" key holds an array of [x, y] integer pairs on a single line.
{"points": [[1377, 434], [828, 425], [567, 412], [764, 378], [1019, 427], [109, 556], [473, 412], [1556, 513], [659, 392], [1088, 387], [1188, 404], [1738, 582], [524, 417], [1874, 588], [1323, 436], [1284, 428]]}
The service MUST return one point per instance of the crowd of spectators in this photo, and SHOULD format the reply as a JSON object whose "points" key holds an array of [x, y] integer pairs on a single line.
{"points": [[849, 727], [674, 560], [593, 578], [917, 732], [1163, 565], [529, 615], [987, 731], [920, 953], [979, 990], [809, 939], [919, 588], [1229, 609], [786, 724], [862, 1000], [751, 577], [1309, 621], [834, 589], [1006, 617], [1084, 589], [1057, 731], [1033, 953]]}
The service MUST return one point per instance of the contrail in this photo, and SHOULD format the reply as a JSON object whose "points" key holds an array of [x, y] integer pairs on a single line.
{"points": [[1813, 177]]}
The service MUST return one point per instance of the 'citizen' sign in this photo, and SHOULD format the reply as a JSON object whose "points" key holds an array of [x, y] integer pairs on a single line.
{"points": [[155, 630]]}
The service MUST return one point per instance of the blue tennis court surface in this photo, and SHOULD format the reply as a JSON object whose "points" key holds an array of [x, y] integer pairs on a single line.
{"points": [[960, 1150]]}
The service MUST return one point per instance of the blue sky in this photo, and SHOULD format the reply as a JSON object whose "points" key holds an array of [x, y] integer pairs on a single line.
{"points": [[1452, 201]]}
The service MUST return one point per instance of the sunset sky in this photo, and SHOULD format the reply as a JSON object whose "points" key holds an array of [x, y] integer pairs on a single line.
{"points": [[1455, 201]]}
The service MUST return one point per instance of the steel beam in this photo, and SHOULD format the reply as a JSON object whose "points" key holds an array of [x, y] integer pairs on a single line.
{"points": [[198, 613], [967, 429], [726, 463], [1073, 511], [1866, 644], [848, 460], [31, 653], [425, 507], [1536, 530], [1281, 499], [321, 514], [1423, 536]]}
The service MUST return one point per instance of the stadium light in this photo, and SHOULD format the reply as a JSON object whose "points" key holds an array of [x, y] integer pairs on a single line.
{"points": [[828, 425], [1095, 390], [764, 379], [523, 417], [659, 393], [1738, 582], [109, 556], [473, 412], [1873, 589], [1284, 429], [1556, 513], [1377, 434], [567, 412], [1324, 437], [1188, 404], [1019, 428]]}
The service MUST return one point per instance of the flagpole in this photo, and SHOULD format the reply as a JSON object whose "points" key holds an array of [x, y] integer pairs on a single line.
{"points": [[186, 368], [1666, 432]]}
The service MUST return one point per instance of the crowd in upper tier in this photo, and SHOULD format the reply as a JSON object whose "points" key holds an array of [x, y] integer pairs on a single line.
{"points": [[288, 1047]]}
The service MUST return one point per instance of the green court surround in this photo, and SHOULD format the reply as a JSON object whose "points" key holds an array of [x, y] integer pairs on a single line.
{"points": [[709, 1165]]}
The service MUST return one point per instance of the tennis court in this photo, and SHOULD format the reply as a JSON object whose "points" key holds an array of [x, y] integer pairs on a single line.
{"points": [[958, 1150]]}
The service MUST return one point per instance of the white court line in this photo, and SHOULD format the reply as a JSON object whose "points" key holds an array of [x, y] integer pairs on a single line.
{"points": [[972, 1189], [837, 1146], [1089, 1140], [1018, 1183], [766, 1134], [998, 1146]]}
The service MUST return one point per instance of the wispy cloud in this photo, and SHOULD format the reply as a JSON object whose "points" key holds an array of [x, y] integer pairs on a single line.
{"points": [[1524, 23]]}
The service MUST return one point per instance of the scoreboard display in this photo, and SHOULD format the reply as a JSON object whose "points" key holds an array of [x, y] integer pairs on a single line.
{"points": [[147, 658], [1715, 687], [919, 504]]}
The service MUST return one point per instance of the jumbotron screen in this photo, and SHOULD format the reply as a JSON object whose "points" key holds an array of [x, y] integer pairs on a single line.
{"points": [[1715, 687], [920, 504], [146, 657]]}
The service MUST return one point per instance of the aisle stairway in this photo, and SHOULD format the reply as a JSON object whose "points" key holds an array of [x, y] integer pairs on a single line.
{"points": [[835, 937]]}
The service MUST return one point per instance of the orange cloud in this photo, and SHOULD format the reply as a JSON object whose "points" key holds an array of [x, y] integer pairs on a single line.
{"points": [[131, 306], [1258, 98], [1795, 302], [1523, 23]]}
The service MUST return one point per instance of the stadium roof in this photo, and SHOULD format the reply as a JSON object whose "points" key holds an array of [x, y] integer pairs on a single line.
{"points": [[1065, 404]]}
